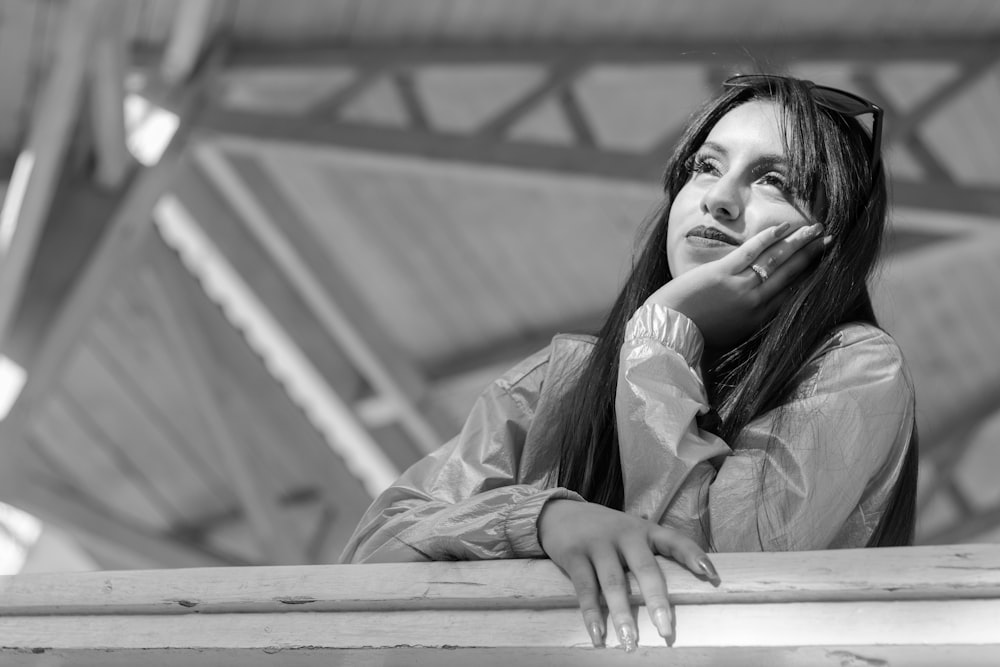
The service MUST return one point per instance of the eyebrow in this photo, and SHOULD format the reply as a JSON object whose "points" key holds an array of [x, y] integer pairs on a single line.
{"points": [[768, 158]]}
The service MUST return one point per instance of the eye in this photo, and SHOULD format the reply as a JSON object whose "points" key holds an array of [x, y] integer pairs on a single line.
{"points": [[702, 164], [777, 180]]}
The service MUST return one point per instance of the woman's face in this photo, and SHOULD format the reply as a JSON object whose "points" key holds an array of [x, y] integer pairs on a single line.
{"points": [[737, 188]]}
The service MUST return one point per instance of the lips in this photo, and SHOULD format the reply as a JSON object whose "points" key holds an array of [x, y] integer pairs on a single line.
{"points": [[712, 234]]}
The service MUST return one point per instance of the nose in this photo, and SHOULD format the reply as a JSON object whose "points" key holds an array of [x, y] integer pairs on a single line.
{"points": [[723, 199]]}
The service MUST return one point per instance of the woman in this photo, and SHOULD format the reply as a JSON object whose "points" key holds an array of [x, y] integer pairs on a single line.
{"points": [[739, 396]]}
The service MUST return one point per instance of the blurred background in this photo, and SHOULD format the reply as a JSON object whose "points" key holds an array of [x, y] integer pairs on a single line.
{"points": [[258, 256]]}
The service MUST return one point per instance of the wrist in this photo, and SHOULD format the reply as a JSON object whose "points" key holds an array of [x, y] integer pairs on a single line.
{"points": [[553, 512]]}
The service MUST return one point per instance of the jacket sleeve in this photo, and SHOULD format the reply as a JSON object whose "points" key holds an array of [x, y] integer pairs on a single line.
{"points": [[794, 475], [463, 501]]}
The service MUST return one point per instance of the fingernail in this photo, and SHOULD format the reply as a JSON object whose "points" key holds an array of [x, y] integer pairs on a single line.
{"points": [[709, 570], [827, 240], [781, 229], [596, 633], [661, 618], [626, 635]]}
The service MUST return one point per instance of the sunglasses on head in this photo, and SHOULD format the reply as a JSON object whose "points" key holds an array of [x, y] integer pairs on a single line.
{"points": [[835, 99]]}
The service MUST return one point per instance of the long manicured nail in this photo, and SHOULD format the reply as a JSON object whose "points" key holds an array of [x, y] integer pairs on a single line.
{"points": [[780, 230], [661, 618], [709, 570], [626, 635], [827, 240], [815, 230], [596, 631]]}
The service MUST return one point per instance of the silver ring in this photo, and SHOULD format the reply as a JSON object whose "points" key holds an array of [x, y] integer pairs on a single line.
{"points": [[760, 271]]}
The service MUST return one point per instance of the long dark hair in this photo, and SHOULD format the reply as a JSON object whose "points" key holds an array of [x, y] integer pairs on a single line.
{"points": [[827, 152]]}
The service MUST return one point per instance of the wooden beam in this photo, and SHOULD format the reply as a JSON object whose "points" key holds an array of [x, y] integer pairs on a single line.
{"points": [[559, 76], [194, 359], [107, 97], [610, 164], [576, 117], [321, 405], [619, 165], [973, 68], [18, 46], [121, 237], [37, 171], [411, 100], [340, 312], [666, 50], [193, 20]]}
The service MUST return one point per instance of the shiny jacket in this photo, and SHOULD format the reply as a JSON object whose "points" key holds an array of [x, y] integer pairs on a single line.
{"points": [[833, 453]]}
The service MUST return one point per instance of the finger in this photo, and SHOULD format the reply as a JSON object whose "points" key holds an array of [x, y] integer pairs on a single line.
{"points": [[653, 585], [614, 586], [778, 253], [668, 542], [581, 573], [745, 255], [786, 273]]}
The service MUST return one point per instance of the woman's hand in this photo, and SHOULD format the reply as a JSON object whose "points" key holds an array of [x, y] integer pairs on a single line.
{"points": [[590, 543], [728, 299]]}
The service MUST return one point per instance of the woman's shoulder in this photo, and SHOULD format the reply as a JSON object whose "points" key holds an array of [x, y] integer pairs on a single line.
{"points": [[564, 354], [862, 337], [865, 353]]}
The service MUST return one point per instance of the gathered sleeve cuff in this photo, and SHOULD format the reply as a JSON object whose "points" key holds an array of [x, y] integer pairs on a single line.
{"points": [[521, 525], [670, 328]]}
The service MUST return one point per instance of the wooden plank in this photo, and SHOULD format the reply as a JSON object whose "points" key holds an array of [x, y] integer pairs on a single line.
{"points": [[107, 91], [914, 605], [192, 23], [874, 624], [942, 573], [36, 174], [78, 218], [300, 656], [18, 34], [195, 360]]}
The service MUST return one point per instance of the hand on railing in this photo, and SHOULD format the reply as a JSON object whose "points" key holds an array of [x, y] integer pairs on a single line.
{"points": [[590, 542]]}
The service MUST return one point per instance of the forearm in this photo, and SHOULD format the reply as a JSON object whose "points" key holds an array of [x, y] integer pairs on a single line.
{"points": [[501, 523], [659, 397]]}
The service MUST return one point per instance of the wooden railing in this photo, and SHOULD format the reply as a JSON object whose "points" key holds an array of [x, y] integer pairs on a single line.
{"points": [[912, 606]]}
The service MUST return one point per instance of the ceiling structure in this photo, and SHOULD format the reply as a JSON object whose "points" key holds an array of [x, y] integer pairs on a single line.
{"points": [[369, 209]]}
